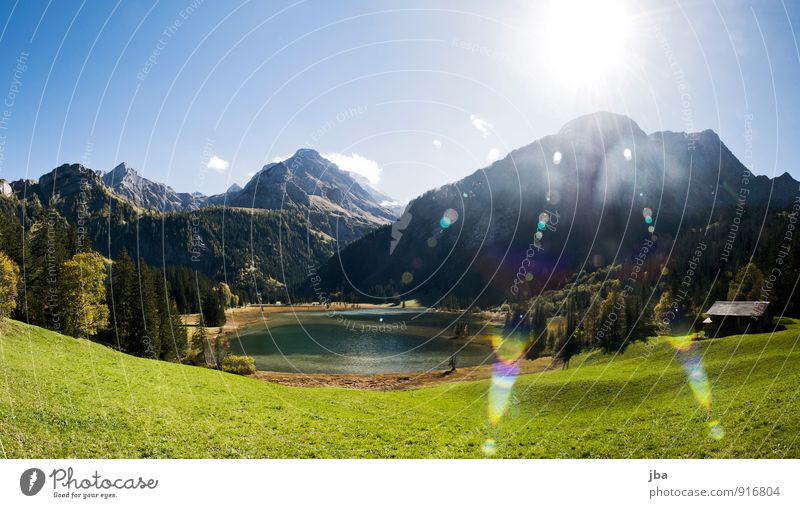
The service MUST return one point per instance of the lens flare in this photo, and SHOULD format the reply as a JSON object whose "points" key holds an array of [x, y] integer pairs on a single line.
{"points": [[509, 350], [647, 213], [503, 378], [585, 42], [557, 158], [715, 430], [407, 278], [627, 154], [489, 447], [448, 219], [691, 361]]}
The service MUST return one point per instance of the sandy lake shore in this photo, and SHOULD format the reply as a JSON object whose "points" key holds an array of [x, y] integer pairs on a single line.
{"points": [[399, 380]]}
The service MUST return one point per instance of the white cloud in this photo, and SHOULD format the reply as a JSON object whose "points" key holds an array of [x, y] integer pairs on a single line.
{"points": [[493, 155], [357, 164], [218, 164], [281, 159], [437, 144], [482, 125]]}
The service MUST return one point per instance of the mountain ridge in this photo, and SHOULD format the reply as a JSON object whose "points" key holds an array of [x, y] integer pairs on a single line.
{"points": [[600, 175], [145, 193]]}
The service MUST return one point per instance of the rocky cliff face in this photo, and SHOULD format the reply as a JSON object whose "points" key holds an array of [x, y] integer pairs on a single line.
{"points": [[144, 193], [332, 200]]}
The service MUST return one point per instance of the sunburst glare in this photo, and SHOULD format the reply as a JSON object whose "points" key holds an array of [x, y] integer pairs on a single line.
{"points": [[585, 41]]}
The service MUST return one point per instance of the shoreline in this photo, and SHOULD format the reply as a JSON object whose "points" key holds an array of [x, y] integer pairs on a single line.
{"points": [[397, 380], [241, 318]]}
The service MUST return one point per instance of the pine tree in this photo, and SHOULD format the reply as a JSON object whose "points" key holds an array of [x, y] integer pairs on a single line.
{"points": [[176, 345], [150, 319], [538, 330], [47, 251], [748, 284], [124, 303], [11, 237], [162, 299], [591, 324], [220, 350], [636, 318], [612, 327], [199, 344], [568, 346], [213, 308], [662, 312]]}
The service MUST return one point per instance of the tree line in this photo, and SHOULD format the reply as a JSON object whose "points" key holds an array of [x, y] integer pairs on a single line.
{"points": [[597, 312], [48, 278]]}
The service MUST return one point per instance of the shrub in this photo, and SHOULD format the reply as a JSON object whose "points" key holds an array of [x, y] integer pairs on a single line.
{"points": [[236, 364]]}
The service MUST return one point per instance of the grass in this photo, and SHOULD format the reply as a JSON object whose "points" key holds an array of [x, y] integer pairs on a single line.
{"points": [[64, 397]]}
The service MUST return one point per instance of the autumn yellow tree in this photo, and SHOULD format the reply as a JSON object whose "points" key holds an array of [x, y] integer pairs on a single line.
{"points": [[83, 294], [230, 299], [9, 280]]}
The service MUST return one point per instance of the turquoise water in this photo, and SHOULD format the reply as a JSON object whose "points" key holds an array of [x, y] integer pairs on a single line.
{"points": [[372, 341]]}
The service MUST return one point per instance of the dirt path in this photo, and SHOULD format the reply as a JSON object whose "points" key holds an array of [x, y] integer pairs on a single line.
{"points": [[396, 381]]}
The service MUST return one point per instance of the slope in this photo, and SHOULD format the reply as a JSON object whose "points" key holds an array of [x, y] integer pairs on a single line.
{"points": [[63, 397]]}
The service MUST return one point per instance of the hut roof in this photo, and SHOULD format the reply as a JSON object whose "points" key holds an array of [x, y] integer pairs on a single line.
{"points": [[749, 309]]}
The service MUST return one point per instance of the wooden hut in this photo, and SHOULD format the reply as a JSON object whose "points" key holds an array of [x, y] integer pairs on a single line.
{"points": [[736, 318]]}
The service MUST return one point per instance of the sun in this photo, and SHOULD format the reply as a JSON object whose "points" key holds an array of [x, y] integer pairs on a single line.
{"points": [[585, 41]]}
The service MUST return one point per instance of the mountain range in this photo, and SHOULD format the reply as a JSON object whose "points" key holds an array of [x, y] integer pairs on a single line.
{"points": [[588, 196], [144, 193], [291, 215], [331, 197]]}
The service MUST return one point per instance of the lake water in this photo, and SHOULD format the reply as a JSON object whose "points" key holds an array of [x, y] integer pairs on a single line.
{"points": [[371, 341]]}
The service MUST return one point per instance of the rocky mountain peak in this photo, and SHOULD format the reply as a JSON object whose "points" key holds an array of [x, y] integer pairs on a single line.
{"points": [[599, 175], [120, 172], [331, 197], [608, 125], [130, 185]]}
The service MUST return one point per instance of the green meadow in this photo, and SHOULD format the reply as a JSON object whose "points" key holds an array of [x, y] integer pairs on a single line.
{"points": [[65, 397]]}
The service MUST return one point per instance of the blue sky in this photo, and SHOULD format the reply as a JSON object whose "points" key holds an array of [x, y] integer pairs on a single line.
{"points": [[422, 92]]}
